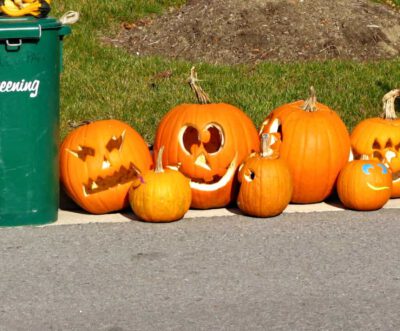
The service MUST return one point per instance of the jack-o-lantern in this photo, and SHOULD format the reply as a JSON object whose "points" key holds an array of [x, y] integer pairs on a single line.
{"points": [[379, 139], [364, 184], [315, 144], [207, 142], [265, 182], [98, 162]]}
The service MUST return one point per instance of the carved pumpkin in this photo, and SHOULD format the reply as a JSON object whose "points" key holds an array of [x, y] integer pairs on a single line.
{"points": [[364, 185], [266, 184], [98, 162], [379, 139], [315, 144], [162, 195], [207, 142]]}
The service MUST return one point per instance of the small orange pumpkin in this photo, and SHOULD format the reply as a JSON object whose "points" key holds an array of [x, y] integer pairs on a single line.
{"points": [[315, 144], [266, 184], [208, 141], [379, 139], [162, 195], [98, 162], [364, 184]]}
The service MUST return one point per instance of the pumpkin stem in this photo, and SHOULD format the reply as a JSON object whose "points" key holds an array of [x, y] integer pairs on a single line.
{"points": [[159, 166], [389, 111], [138, 173], [202, 96], [266, 150], [310, 103]]}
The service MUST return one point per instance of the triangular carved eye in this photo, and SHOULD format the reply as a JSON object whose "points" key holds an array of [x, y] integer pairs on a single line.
{"points": [[376, 144], [389, 144], [82, 153], [115, 142], [397, 147]]}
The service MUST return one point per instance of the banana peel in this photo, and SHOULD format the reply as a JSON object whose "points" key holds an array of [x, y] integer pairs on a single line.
{"points": [[18, 8]]}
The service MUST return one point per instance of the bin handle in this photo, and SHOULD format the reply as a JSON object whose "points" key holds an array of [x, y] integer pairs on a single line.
{"points": [[10, 44]]}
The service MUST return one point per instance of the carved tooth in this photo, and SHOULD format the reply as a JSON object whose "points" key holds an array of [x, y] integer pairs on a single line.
{"points": [[94, 186], [389, 155], [73, 153], [106, 164]]}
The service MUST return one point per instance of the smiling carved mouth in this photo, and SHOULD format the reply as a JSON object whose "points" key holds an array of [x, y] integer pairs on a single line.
{"points": [[119, 177], [217, 181]]}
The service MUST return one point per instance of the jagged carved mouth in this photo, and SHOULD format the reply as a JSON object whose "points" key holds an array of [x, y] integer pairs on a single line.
{"points": [[100, 184], [396, 177]]}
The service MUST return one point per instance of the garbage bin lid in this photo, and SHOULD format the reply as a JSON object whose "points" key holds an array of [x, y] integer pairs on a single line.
{"points": [[26, 27], [27, 21]]}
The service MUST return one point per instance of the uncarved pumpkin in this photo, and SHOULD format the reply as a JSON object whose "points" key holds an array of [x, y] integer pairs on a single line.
{"points": [[266, 184], [364, 185], [315, 144], [98, 162], [162, 195], [207, 142], [379, 139]]}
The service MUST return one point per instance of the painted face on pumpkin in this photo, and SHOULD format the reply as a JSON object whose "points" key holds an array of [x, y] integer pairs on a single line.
{"points": [[364, 184], [375, 183]]}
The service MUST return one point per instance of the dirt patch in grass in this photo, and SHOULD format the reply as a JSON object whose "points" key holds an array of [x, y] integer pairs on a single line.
{"points": [[237, 31]]}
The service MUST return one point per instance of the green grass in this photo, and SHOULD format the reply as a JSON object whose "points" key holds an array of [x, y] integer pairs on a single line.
{"points": [[100, 81]]}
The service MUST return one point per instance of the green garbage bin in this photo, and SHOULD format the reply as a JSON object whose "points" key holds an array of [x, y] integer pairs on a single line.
{"points": [[30, 66]]}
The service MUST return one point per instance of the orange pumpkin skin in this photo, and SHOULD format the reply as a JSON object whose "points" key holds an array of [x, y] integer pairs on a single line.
{"points": [[160, 195], [379, 139], [266, 185], [364, 185], [208, 142], [99, 161], [315, 145]]}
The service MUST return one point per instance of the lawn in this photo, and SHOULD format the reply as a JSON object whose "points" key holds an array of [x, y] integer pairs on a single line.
{"points": [[100, 81]]}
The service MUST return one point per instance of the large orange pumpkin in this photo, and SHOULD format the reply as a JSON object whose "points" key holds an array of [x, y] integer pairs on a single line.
{"points": [[207, 142], [315, 144], [266, 184], [98, 162], [379, 139], [364, 185]]}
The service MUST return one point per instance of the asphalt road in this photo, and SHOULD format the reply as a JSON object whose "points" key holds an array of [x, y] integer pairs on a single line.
{"points": [[318, 271]]}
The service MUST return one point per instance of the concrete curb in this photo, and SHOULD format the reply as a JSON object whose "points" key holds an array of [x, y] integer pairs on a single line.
{"points": [[66, 217]]}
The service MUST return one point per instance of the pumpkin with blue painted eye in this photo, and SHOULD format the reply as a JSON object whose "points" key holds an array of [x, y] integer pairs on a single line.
{"points": [[379, 139], [364, 185]]}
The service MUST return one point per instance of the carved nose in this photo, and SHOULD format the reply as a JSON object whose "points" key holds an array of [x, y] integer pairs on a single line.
{"points": [[201, 161]]}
